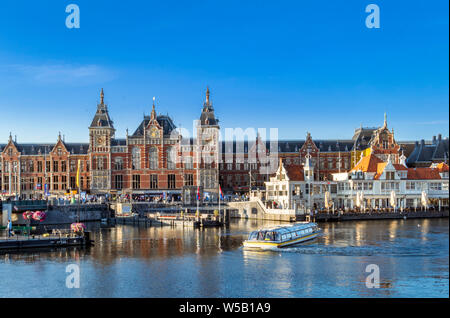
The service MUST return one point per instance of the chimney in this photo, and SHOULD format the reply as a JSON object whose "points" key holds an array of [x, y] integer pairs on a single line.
{"points": [[439, 137], [422, 142], [434, 140]]}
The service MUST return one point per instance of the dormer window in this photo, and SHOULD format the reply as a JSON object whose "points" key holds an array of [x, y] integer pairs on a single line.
{"points": [[390, 175]]}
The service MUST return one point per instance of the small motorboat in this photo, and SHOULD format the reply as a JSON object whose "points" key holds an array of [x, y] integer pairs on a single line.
{"points": [[282, 236]]}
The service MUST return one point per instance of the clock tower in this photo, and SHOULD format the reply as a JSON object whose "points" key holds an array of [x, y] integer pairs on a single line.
{"points": [[208, 149], [101, 134]]}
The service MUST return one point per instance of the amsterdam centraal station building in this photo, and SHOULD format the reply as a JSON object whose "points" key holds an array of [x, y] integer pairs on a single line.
{"points": [[157, 162]]}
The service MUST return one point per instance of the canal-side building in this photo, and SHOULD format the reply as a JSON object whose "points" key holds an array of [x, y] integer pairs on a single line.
{"points": [[373, 184], [385, 184], [154, 160], [242, 169]]}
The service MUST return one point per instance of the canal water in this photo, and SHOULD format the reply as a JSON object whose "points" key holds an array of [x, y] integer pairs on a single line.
{"points": [[130, 261]]}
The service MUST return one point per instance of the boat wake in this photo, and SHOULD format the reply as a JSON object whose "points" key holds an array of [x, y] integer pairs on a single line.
{"points": [[359, 250]]}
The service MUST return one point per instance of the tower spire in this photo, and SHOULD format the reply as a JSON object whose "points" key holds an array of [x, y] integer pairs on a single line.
{"points": [[153, 114], [385, 120], [207, 96], [102, 96]]}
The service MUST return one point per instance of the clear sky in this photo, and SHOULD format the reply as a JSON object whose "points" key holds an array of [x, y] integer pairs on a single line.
{"points": [[295, 65]]}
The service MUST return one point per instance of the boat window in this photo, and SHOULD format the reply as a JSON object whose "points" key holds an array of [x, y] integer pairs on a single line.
{"points": [[283, 237], [261, 235], [253, 235], [277, 236], [269, 236], [299, 233]]}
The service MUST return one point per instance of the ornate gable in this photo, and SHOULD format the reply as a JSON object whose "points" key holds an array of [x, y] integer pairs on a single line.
{"points": [[309, 147], [59, 148], [383, 143], [153, 128], [11, 148]]}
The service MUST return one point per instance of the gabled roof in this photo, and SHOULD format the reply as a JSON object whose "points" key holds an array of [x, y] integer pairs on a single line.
{"points": [[294, 172], [423, 174], [382, 166], [368, 164], [163, 120]]}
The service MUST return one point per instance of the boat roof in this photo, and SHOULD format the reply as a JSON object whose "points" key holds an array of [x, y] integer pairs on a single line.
{"points": [[289, 228]]}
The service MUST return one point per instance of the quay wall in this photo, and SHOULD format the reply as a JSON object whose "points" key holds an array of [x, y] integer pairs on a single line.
{"points": [[353, 216]]}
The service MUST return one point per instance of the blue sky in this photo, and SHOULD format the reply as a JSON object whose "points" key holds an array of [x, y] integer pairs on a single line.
{"points": [[296, 65]]}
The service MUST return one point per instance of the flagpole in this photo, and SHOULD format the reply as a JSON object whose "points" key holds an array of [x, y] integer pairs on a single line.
{"points": [[79, 194]]}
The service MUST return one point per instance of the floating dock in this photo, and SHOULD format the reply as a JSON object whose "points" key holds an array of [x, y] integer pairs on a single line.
{"points": [[19, 242], [204, 220]]}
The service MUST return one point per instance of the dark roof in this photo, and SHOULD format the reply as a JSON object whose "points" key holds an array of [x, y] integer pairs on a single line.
{"points": [[119, 142], [292, 146], [207, 116], [437, 150], [101, 117], [334, 145], [406, 147], [163, 120], [36, 149], [362, 137], [77, 148]]}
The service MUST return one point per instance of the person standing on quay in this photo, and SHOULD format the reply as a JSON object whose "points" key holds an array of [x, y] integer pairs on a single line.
{"points": [[9, 228]]}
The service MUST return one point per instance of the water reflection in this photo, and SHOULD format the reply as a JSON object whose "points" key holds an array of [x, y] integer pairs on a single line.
{"points": [[139, 261]]}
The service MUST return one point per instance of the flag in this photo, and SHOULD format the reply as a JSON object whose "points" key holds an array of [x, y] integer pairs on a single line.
{"points": [[78, 174], [220, 193], [198, 193]]}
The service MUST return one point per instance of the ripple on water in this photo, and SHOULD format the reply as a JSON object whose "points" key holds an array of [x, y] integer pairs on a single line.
{"points": [[350, 250]]}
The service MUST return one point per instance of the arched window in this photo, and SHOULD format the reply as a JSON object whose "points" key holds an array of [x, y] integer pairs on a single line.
{"points": [[170, 155], [153, 158], [136, 158]]}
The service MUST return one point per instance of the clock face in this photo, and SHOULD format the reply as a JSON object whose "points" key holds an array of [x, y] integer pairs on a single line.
{"points": [[154, 132], [100, 140]]}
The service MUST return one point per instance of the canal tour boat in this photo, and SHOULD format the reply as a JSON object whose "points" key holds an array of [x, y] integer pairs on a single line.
{"points": [[282, 236]]}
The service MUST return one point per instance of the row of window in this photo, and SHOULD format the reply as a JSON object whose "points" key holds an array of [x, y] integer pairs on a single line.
{"points": [[59, 183], [136, 181], [38, 166], [239, 166], [296, 234]]}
